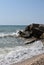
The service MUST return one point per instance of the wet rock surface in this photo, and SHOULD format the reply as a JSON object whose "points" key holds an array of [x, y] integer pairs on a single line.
{"points": [[35, 30]]}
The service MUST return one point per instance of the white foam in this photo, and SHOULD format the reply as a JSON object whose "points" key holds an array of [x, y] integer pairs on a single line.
{"points": [[9, 34], [20, 53]]}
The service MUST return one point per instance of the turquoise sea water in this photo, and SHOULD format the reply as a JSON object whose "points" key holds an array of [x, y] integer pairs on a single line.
{"points": [[8, 35], [11, 28], [13, 48]]}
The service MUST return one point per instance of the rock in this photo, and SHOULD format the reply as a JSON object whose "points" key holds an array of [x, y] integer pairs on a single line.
{"points": [[24, 34], [36, 32], [29, 27], [33, 30], [29, 42]]}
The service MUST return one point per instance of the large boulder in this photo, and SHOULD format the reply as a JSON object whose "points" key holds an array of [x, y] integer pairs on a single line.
{"points": [[33, 30]]}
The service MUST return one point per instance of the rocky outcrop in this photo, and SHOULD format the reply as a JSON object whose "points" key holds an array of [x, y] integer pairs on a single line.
{"points": [[33, 30]]}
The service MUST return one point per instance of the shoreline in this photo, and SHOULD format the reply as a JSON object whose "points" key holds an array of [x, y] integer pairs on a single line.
{"points": [[35, 60]]}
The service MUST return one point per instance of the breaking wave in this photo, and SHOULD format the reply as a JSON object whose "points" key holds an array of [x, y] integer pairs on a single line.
{"points": [[9, 34], [20, 53]]}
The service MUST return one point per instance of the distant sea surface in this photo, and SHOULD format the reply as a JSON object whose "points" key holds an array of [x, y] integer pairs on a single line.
{"points": [[13, 48]]}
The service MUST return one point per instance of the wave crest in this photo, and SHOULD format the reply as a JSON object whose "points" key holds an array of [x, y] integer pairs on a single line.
{"points": [[9, 34]]}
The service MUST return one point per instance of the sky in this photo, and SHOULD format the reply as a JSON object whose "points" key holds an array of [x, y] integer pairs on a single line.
{"points": [[21, 12]]}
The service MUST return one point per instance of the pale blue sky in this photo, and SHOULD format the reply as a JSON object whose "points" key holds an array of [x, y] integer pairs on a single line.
{"points": [[21, 12]]}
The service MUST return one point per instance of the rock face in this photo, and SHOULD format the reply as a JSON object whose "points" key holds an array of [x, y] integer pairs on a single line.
{"points": [[33, 30]]}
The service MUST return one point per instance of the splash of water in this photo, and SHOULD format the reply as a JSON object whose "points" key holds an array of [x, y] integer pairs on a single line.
{"points": [[20, 53]]}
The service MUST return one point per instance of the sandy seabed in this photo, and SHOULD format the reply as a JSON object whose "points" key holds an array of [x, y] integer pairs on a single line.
{"points": [[36, 60]]}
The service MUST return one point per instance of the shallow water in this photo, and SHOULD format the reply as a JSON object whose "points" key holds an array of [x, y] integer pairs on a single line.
{"points": [[8, 36], [13, 49], [19, 53]]}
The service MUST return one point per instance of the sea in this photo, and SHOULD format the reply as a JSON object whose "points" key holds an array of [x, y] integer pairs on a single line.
{"points": [[13, 48]]}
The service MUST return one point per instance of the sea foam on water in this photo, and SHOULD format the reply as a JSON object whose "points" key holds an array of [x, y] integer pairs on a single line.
{"points": [[9, 34], [20, 53]]}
